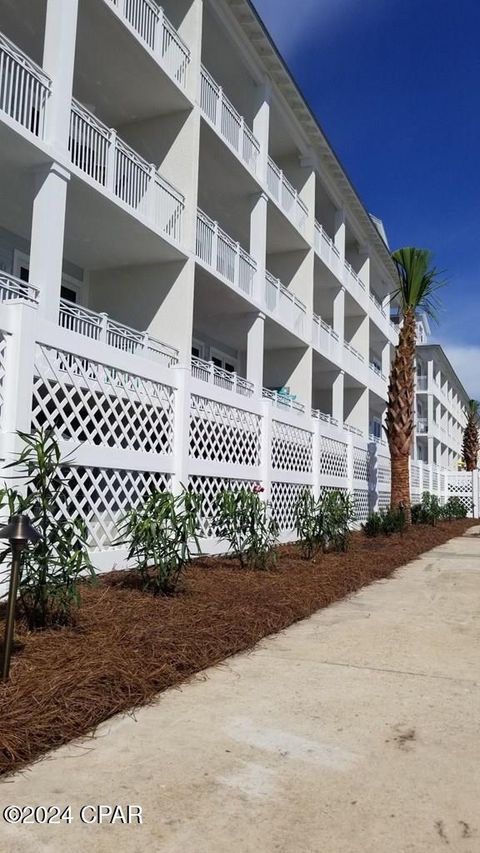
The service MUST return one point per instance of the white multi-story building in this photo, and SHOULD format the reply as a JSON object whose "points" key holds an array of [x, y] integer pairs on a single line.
{"points": [[441, 406], [191, 289]]}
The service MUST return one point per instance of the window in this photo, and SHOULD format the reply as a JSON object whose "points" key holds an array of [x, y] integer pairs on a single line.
{"points": [[225, 362], [71, 288]]}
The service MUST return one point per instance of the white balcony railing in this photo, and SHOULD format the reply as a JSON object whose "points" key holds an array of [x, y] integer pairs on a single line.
{"points": [[422, 383], [99, 153], [152, 26], [377, 371], [284, 305], [323, 337], [318, 415], [100, 327], [353, 282], [356, 354], [207, 371], [227, 121], [283, 401], [13, 289], [422, 426], [352, 429], [286, 196], [24, 88], [327, 250], [216, 249], [375, 439]]}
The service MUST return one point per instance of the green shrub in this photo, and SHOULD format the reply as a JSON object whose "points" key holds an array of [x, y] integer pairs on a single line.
{"points": [[242, 519], [454, 508], [309, 524], [373, 525], [393, 521], [52, 568], [160, 534], [429, 511], [338, 514]]}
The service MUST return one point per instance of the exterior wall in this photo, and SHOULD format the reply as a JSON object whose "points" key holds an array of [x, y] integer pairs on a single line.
{"points": [[440, 406]]}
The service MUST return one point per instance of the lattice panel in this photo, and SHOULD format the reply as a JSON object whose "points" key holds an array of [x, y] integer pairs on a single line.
{"points": [[435, 481], [360, 463], [384, 472], [89, 402], [102, 496], [461, 486], [209, 488], [383, 500], [415, 484], [283, 499], [291, 448], [333, 459], [362, 504], [3, 353], [223, 433], [425, 479]]}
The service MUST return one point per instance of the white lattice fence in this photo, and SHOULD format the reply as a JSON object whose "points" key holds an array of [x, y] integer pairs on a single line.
{"points": [[292, 448], [102, 496], [333, 460], [3, 352], [461, 485], [85, 401], [222, 433], [209, 488], [416, 478], [384, 481], [284, 496]]}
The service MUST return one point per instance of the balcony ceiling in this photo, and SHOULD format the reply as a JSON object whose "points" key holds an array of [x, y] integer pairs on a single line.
{"points": [[114, 74]]}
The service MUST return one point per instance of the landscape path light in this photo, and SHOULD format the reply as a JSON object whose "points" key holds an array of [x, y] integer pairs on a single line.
{"points": [[19, 531]]}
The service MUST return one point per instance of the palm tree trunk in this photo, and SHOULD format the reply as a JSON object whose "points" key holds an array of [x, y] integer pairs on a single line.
{"points": [[400, 413]]}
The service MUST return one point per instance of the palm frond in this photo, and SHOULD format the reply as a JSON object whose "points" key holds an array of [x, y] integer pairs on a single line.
{"points": [[418, 281]]}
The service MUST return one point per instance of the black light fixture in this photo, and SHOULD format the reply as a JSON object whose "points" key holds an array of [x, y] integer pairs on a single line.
{"points": [[19, 531]]}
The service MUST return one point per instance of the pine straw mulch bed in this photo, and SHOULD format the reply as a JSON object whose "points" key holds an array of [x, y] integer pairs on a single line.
{"points": [[127, 646]]}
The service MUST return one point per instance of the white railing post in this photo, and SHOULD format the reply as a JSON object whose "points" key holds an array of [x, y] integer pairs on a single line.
{"points": [[316, 458], [18, 381], [476, 493], [111, 177], [151, 191], [350, 463], [145, 342], [266, 449], [236, 272], [181, 439], [214, 261], [211, 368], [218, 109], [103, 331], [158, 38]]}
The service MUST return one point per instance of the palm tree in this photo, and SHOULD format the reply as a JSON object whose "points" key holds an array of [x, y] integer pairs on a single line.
{"points": [[418, 282], [470, 436]]}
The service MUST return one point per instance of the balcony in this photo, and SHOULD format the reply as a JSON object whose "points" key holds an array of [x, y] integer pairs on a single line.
{"points": [[318, 415], [225, 256], [327, 250], [284, 306], [324, 339], [24, 89], [283, 401], [352, 429], [228, 123], [154, 30], [422, 426], [100, 327], [13, 289], [207, 371], [353, 360], [286, 196], [422, 383], [99, 153], [354, 283]]}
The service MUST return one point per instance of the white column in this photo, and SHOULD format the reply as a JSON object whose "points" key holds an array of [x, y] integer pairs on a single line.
{"points": [[316, 458], [364, 271], [17, 391], [338, 397], [182, 428], [258, 241], [386, 359], [46, 249], [255, 347], [431, 450], [340, 232], [339, 315], [261, 126], [266, 460], [58, 63]]}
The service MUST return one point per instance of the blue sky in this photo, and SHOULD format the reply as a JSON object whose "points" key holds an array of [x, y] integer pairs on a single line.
{"points": [[395, 85]]}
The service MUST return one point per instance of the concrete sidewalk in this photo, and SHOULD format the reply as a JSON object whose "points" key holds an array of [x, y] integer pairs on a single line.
{"points": [[355, 731]]}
